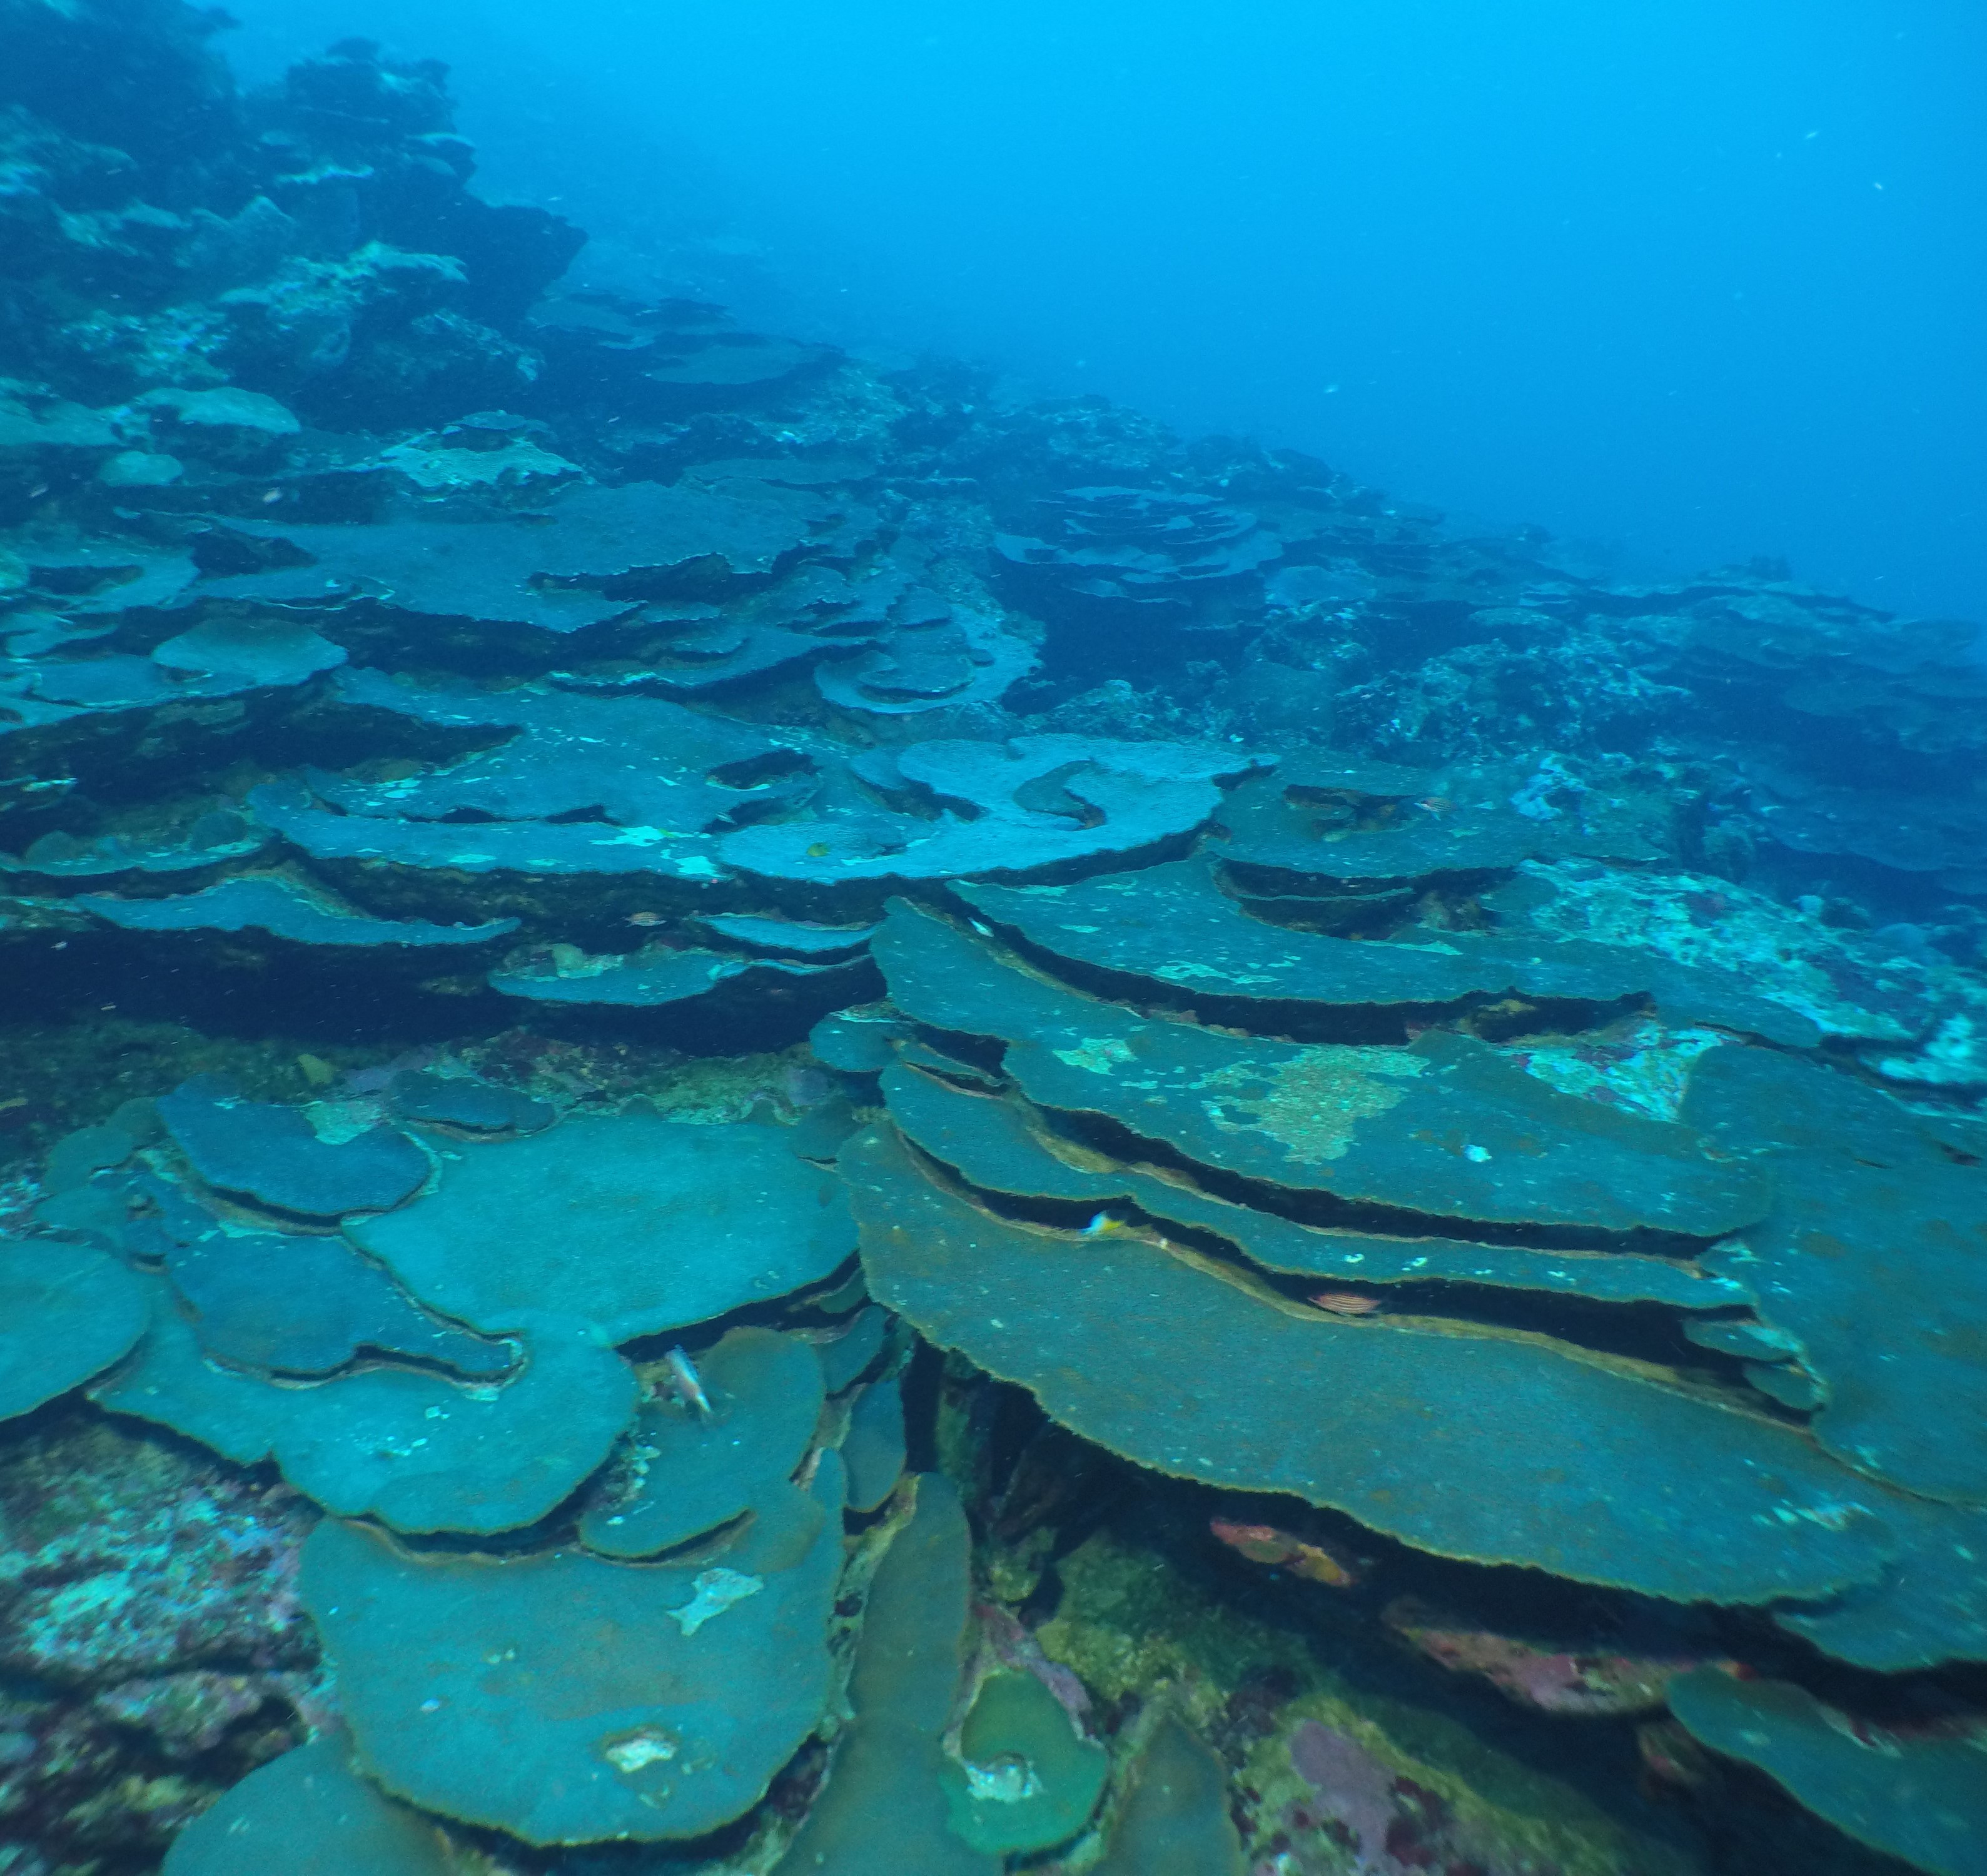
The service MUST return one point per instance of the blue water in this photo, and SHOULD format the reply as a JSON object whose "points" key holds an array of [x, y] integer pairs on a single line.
{"points": [[1698, 281]]}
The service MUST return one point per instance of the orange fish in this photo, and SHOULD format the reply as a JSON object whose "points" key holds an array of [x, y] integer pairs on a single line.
{"points": [[1344, 1303], [1263, 1544]]}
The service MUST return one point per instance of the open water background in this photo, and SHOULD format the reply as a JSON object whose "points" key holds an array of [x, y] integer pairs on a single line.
{"points": [[1700, 280]]}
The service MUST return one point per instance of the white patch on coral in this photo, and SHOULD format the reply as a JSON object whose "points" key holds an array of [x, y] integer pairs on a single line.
{"points": [[1647, 1070], [1956, 1056], [645, 1747], [716, 1591]]}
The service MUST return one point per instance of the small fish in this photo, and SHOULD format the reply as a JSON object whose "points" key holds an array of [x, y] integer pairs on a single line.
{"points": [[1435, 803], [645, 918], [1104, 1225], [1344, 1303], [686, 1384], [819, 850], [1263, 1544]]}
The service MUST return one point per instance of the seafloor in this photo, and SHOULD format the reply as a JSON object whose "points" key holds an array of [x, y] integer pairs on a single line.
{"points": [[763, 1112]]}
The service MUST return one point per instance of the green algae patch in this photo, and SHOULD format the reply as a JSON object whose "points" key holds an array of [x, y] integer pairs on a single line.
{"points": [[1132, 1623], [309, 1814], [638, 1224], [1127, 1622], [567, 1699], [1583, 1469], [1920, 1798], [1445, 1128], [1175, 1822], [1874, 1257], [995, 1146], [66, 1313], [409, 1446], [683, 1473], [1024, 1780], [1172, 928], [1311, 1104], [883, 1810]]}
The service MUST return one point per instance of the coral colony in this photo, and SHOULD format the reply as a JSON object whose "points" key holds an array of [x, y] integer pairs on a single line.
{"points": [[686, 1192]]}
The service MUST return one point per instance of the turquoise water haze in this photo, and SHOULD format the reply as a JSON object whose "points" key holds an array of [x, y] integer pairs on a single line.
{"points": [[1701, 281]]}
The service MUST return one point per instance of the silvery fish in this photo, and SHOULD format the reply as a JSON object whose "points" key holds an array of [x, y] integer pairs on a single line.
{"points": [[686, 1384]]}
